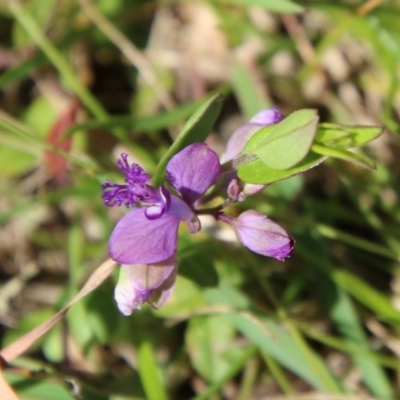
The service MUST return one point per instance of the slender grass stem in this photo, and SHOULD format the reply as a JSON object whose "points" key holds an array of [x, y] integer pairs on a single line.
{"points": [[56, 58]]}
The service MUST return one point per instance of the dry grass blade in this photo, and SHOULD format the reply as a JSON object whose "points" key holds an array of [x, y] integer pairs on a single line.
{"points": [[21, 345], [369, 6], [6, 393]]}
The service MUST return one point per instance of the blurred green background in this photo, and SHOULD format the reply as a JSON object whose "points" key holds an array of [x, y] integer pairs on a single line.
{"points": [[123, 75]]}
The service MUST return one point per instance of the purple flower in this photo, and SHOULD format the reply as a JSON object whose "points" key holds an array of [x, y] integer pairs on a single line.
{"points": [[260, 234], [156, 213], [145, 239]]}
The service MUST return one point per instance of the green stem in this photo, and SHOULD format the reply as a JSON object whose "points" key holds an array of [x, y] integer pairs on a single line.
{"points": [[249, 378], [352, 240], [278, 374], [352, 350]]}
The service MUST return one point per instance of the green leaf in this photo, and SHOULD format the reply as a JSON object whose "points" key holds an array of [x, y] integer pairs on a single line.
{"points": [[346, 136], [209, 341], [52, 347], [344, 155], [39, 389], [367, 295], [146, 124], [342, 311], [101, 314], [260, 173], [288, 142], [238, 365], [81, 330], [285, 351], [149, 372], [196, 129], [270, 337], [281, 6], [347, 321]]}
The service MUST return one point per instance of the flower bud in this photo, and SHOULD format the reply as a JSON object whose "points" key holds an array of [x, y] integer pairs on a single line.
{"points": [[268, 117], [234, 190], [261, 235], [250, 189]]}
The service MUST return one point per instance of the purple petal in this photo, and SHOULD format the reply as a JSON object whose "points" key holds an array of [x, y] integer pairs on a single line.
{"points": [[134, 173], [161, 204], [193, 171], [151, 276], [164, 291], [251, 188], [180, 210], [126, 296], [116, 195], [145, 282], [154, 212], [262, 235], [159, 297], [138, 240], [234, 190]]}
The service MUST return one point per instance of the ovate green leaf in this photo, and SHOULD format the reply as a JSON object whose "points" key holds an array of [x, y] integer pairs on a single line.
{"points": [[288, 142]]}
